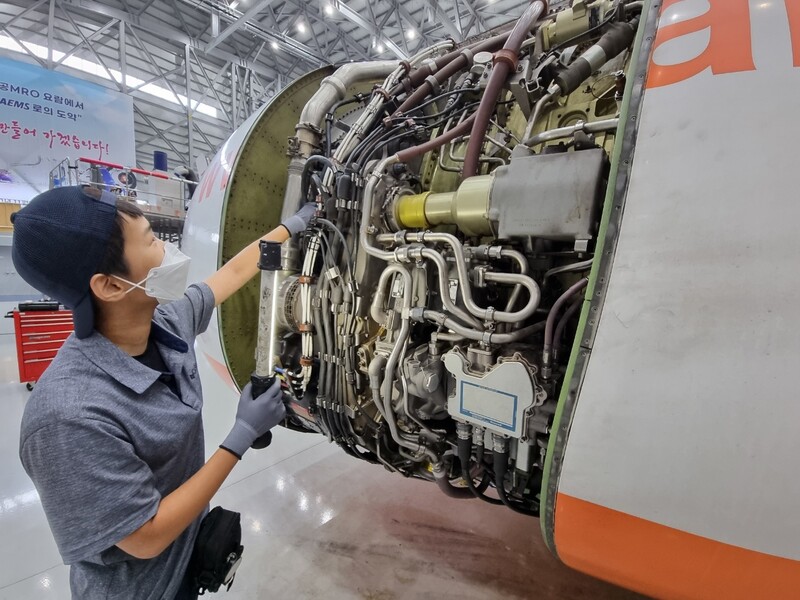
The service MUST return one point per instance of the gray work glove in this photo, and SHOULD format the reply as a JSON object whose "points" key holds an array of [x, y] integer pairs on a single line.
{"points": [[300, 220], [254, 417]]}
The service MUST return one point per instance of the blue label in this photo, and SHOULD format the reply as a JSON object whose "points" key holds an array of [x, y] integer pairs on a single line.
{"points": [[484, 418]]}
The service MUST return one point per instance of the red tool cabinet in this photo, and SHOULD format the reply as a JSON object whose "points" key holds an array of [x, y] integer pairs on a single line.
{"points": [[39, 335]]}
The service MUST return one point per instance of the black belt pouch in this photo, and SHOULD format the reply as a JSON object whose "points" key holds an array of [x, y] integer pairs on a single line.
{"points": [[217, 551]]}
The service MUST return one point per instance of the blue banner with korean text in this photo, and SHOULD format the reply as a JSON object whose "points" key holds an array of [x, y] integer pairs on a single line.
{"points": [[46, 117]]}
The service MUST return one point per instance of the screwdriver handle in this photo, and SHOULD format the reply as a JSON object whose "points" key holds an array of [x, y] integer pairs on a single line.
{"points": [[261, 385]]}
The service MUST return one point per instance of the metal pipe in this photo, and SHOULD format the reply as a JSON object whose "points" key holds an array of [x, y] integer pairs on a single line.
{"points": [[523, 269], [331, 90], [482, 160], [486, 337], [293, 194], [563, 132], [517, 256], [580, 266], [444, 294], [528, 283], [376, 310], [441, 336], [376, 365], [366, 231], [391, 366], [487, 314], [553, 92], [504, 61]]}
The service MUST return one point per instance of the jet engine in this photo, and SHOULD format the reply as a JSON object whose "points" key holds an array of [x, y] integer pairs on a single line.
{"points": [[425, 319]]}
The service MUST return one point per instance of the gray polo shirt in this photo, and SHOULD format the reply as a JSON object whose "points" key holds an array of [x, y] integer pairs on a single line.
{"points": [[104, 439]]}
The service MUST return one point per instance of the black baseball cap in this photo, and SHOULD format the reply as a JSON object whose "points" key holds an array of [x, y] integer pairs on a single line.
{"points": [[60, 237]]}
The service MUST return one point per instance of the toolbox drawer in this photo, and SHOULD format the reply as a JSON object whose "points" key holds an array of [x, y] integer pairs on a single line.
{"points": [[39, 336]]}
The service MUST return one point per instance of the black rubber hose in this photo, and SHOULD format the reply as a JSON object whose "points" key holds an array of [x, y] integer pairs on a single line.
{"points": [[464, 454], [454, 492], [312, 162], [500, 469], [615, 40], [618, 37]]}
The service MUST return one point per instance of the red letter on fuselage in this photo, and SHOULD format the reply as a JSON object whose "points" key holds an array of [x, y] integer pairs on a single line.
{"points": [[729, 47], [793, 12]]}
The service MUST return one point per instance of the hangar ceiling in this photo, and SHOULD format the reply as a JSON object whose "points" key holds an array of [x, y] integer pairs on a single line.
{"points": [[197, 68]]}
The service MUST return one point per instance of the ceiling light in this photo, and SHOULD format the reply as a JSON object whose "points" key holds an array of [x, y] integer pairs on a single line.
{"points": [[379, 48], [328, 10], [411, 34], [301, 27], [274, 45]]}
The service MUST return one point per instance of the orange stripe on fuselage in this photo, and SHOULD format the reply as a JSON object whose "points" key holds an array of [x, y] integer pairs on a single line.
{"points": [[664, 562]]}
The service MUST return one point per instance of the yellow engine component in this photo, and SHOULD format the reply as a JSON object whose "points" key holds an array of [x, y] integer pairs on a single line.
{"points": [[467, 208]]}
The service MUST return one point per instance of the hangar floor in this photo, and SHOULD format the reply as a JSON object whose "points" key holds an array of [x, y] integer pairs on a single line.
{"points": [[316, 523]]}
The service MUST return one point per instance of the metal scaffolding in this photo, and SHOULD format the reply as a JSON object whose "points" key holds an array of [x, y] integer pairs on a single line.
{"points": [[196, 69]]}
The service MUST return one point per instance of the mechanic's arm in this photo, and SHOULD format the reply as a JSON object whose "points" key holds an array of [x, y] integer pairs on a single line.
{"points": [[243, 267], [254, 417], [180, 508]]}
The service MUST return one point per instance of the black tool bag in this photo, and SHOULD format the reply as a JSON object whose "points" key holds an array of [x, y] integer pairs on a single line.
{"points": [[217, 551]]}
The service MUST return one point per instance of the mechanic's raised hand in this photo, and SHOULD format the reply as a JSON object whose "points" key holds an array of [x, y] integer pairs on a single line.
{"points": [[255, 417], [300, 220]]}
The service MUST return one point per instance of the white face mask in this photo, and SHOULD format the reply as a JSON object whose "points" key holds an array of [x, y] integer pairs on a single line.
{"points": [[167, 282]]}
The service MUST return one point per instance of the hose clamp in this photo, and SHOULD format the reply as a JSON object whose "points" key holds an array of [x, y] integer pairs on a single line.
{"points": [[508, 57], [382, 92], [431, 65], [434, 83]]}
